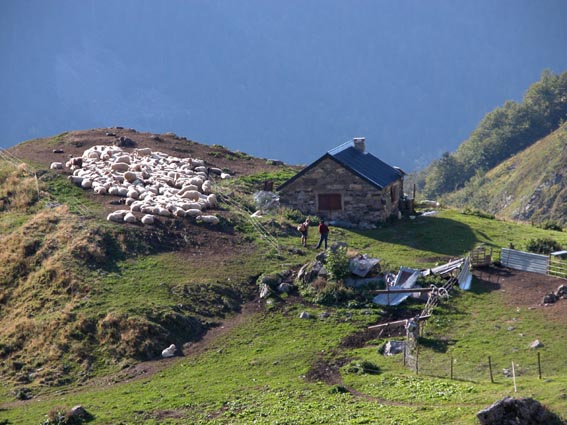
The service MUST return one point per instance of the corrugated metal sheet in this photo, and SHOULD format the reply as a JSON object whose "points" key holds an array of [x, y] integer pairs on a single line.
{"points": [[395, 299], [465, 275], [526, 261]]}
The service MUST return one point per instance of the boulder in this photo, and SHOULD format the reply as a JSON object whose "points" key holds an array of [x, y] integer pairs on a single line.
{"points": [[549, 298], [391, 348], [561, 292], [284, 288], [520, 411], [536, 344], [169, 351], [304, 315]]}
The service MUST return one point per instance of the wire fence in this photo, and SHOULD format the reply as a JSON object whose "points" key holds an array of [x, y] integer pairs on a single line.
{"points": [[494, 369]]}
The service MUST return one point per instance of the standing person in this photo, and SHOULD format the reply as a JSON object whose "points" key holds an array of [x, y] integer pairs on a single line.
{"points": [[303, 229], [324, 233]]}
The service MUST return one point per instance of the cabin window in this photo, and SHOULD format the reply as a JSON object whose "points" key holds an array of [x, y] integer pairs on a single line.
{"points": [[329, 202]]}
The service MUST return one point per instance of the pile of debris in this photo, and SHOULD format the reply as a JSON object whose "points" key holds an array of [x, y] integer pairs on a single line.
{"points": [[553, 297]]}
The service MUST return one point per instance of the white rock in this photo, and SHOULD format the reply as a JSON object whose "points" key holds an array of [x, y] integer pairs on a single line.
{"points": [[56, 166], [169, 351]]}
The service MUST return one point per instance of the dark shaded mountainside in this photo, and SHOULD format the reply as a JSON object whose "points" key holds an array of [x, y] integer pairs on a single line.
{"points": [[513, 162], [78, 293]]}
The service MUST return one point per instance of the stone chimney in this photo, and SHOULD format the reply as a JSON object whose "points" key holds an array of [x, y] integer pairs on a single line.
{"points": [[359, 144]]}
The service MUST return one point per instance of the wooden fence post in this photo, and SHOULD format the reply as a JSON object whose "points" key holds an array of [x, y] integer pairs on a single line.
{"points": [[490, 368], [417, 359], [451, 367], [539, 364]]}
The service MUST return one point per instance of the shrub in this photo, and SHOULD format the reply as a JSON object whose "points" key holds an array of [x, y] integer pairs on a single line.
{"points": [[332, 293], [337, 264], [361, 367], [543, 245], [293, 215], [478, 213], [551, 225]]}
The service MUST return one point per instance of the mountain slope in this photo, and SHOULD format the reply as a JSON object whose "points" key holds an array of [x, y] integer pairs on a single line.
{"points": [[531, 185], [78, 293]]}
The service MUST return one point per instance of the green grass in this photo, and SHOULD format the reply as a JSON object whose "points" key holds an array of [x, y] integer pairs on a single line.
{"points": [[427, 241], [257, 371]]}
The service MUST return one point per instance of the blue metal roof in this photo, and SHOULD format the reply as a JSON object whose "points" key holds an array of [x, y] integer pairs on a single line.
{"points": [[363, 164], [366, 165]]}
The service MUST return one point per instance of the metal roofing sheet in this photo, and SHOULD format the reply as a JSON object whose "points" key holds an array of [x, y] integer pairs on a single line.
{"points": [[366, 165], [396, 298]]}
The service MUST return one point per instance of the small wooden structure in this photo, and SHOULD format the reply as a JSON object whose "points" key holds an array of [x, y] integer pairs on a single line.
{"points": [[481, 256]]}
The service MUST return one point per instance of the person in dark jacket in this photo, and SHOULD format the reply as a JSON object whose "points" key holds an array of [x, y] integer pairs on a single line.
{"points": [[323, 234]]}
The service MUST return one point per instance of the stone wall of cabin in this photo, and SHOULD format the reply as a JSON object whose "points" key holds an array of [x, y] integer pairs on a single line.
{"points": [[362, 202]]}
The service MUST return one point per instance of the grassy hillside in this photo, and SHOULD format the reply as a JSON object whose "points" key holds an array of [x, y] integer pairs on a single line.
{"points": [[86, 307], [530, 186]]}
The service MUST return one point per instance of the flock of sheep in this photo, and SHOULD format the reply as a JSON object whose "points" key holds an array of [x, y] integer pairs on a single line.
{"points": [[152, 183]]}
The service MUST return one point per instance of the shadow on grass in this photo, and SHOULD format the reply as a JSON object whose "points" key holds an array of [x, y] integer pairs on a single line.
{"points": [[436, 344], [432, 233], [487, 279]]}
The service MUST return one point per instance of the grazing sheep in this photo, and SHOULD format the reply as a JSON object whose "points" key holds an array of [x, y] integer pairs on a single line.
{"points": [[130, 218], [148, 219], [153, 183], [193, 195], [193, 212], [208, 219], [207, 187], [212, 201], [120, 167], [76, 180], [117, 216]]}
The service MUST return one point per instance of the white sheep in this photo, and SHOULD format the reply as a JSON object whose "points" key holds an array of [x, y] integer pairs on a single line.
{"points": [[56, 166], [130, 218], [193, 195], [208, 219], [148, 219], [120, 167]]}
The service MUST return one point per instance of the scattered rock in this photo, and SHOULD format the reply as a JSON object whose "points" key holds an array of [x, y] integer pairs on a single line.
{"points": [[125, 142], [549, 298], [536, 344], [521, 411], [391, 348], [79, 412], [561, 292], [284, 288], [304, 315], [169, 351], [58, 151], [264, 290]]}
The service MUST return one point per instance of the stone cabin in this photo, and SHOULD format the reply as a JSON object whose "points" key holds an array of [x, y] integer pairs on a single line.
{"points": [[346, 184]]}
